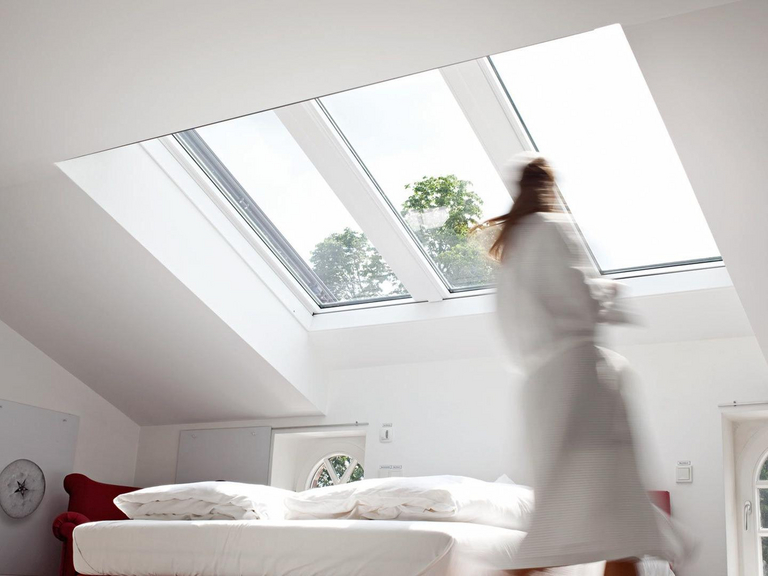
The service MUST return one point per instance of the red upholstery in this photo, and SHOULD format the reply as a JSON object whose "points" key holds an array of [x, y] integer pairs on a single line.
{"points": [[661, 499], [89, 501]]}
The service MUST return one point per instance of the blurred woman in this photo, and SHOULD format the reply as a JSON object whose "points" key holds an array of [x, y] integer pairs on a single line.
{"points": [[590, 502]]}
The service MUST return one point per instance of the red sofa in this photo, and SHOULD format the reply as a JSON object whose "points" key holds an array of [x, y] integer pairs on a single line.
{"points": [[89, 501]]}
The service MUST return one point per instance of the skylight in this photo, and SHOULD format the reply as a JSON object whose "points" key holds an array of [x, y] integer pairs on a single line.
{"points": [[414, 163], [413, 138], [586, 106], [264, 174]]}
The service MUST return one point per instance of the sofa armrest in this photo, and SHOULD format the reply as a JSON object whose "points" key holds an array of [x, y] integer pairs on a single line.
{"points": [[65, 523]]}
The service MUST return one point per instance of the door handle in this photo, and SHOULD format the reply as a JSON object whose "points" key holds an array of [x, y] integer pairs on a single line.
{"points": [[747, 512]]}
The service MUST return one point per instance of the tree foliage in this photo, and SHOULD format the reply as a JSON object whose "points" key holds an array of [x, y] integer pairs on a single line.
{"points": [[351, 267], [453, 209], [441, 211]]}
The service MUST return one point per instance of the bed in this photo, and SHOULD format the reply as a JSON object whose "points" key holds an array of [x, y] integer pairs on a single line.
{"points": [[296, 547], [436, 526]]}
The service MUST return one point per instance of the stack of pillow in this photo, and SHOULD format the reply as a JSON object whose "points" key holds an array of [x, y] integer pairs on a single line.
{"points": [[430, 498]]}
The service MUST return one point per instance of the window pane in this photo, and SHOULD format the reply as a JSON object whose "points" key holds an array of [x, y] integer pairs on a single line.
{"points": [[297, 214], [587, 107], [764, 508], [357, 474], [414, 139], [764, 555], [322, 478], [764, 471], [340, 464]]}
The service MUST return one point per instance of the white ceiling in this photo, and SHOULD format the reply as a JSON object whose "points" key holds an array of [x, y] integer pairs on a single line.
{"points": [[84, 76]]}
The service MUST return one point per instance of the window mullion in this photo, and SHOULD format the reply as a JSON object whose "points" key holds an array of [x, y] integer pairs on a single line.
{"points": [[322, 145], [486, 109], [332, 471], [348, 472]]}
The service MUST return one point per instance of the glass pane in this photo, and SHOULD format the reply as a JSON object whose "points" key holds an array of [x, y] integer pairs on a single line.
{"points": [[357, 474], [764, 555], [764, 471], [322, 478], [340, 464], [414, 139], [587, 107], [297, 213], [764, 508]]}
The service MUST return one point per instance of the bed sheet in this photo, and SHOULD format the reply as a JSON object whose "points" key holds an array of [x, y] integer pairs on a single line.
{"points": [[294, 547]]}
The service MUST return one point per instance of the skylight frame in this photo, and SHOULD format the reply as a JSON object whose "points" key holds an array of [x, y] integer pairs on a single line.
{"points": [[214, 173]]}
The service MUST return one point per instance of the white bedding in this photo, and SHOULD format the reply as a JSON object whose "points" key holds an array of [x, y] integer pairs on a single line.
{"points": [[205, 501], [432, 498], [295, 547]]}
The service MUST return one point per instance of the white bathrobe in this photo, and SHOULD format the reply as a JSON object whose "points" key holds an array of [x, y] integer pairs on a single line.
{"points": [[590, 502]]}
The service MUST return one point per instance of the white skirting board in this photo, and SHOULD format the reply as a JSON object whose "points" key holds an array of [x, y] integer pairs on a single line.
{"points": [[49, 439]]}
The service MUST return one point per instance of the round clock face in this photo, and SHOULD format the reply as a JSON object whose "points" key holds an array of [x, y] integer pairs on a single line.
{"points": [[22, 487]]}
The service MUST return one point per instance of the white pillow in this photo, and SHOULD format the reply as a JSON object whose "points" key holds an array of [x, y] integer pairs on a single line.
{"points": [[504, 479], [205, 501], [440, 498]]}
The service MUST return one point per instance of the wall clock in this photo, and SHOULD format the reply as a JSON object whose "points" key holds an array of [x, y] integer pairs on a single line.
{"points": [[22, 487]]}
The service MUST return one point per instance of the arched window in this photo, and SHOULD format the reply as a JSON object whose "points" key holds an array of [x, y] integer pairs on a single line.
{"points": [[761, 497], [335, 469], [752, 500]]}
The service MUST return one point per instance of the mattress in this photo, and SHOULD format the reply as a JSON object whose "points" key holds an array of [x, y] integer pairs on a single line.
{"points": [[295, 547]]}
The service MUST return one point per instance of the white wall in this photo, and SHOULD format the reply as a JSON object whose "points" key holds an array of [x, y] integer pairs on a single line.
{"points": [[707, 73], [464, 417], [107, 440], [295, 455], [197, 244], [678, 390], [455, 417]]}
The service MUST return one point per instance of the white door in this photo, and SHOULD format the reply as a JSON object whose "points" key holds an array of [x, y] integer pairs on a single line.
{"points": [[752, 490]]}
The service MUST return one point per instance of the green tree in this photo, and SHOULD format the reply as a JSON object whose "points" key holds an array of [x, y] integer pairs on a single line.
{"points": [[441, 211], [351, 267]]}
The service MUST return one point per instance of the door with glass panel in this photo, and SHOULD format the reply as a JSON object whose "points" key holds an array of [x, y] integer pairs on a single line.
{"points": [[752, 478]]}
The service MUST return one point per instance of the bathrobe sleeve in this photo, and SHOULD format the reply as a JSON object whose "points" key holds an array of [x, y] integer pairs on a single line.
{"points": [[569, 285]]}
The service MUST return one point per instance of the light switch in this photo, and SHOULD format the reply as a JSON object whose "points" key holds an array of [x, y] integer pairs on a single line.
{"points": [[684, 472], [385, 434], [390, 470]]}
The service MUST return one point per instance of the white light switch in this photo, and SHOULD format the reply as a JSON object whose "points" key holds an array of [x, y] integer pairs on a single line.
{"points": [[385, 434], [684, 472], [390, 470]]}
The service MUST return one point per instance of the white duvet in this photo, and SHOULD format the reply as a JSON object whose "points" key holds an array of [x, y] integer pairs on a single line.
{"points": [[432, 498], [205, 501]]}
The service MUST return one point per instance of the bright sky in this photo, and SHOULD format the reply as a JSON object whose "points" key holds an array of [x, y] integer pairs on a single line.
{"points": [[588, 108], [263, 156]]}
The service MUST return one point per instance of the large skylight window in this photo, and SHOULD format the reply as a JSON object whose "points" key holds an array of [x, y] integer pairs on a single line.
{"points": [[415, 141], [416, 160], [587, 107], [266, 176]]}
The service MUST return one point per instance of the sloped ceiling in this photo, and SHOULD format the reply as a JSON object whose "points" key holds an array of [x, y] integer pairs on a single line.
{"points": [[85, 76]]}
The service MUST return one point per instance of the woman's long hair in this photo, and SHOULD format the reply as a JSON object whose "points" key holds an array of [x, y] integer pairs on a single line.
{"points": [[537, 194]]}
